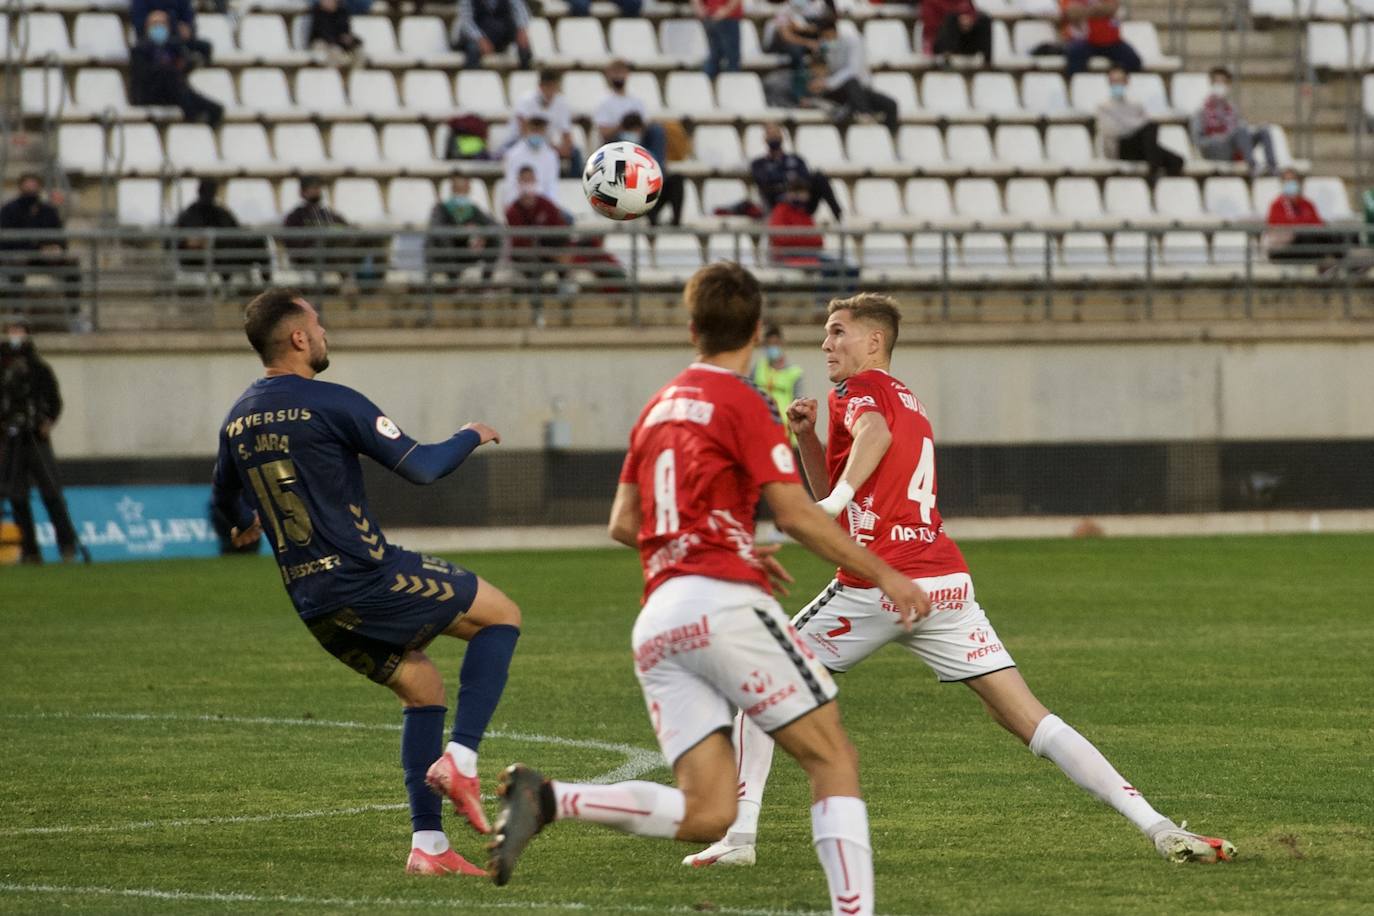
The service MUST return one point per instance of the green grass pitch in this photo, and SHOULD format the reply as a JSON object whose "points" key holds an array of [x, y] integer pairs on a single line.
{"points": [[170, 743]]}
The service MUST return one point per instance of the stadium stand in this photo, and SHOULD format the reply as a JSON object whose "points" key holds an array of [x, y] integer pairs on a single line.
{"points": [[998, 156]]}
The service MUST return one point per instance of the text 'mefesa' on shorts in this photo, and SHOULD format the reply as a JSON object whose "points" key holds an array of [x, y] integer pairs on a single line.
{"points": [[705, 647], [845, 625]]}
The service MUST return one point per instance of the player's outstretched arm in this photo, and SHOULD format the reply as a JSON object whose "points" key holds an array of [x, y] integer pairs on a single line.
{"points": [[625, 519], [872, 438], [799, 517], [424, 464], [801, 420]]}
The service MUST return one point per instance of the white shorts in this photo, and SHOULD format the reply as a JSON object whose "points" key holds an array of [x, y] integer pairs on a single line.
{"points": [[705, 647], [845, 625]]}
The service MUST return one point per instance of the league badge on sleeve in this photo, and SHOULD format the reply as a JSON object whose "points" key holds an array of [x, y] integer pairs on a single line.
{"points": [[387, 428]]}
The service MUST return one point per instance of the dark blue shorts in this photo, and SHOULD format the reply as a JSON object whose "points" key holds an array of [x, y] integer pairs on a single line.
{"points": [[373, 635]]}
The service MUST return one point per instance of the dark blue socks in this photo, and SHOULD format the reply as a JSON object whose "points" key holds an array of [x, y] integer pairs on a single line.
{"points": [[481, 681], [422, 743]]}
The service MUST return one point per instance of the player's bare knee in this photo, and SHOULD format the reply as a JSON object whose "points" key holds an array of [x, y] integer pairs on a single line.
{"points": [[417, 681], [707, 820]]}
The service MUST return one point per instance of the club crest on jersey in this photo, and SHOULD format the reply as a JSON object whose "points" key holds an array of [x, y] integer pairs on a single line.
{"points": [[851, 411], [782, 459], [388, 429]]}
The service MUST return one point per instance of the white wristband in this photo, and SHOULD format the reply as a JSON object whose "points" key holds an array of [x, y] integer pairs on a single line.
{"points": [[835, 503]]}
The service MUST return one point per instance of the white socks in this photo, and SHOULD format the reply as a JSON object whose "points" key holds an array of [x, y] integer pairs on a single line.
{"points": [[839, 831], [1086, 766], [433, 842], [753, 758], [643, 808], [464, 758]]}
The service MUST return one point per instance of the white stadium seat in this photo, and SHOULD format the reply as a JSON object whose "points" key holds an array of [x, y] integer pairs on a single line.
{"points": [[263, 89], [425, 38], [99, 89], [360, 199], [885, 250], [932, 249], [245, 146], [1083, 250], [191, 148], [138, 202], [1029, 34], [1188, 91], [584, 90], [43, 90], [1028, 199], [427, 91], [1077, 199], [820, 146], [1003, 51], [1178, 199], [252, 201], [995, 93], [1087, 92], [408, 146], [928, 200], [1144, 38], [216, 29], [136, 148], [264, 36], [1263, 193], [1184, 249], [1031, 249], [1362, 46], [1230, 247], [921, 146], [878, 200], [678, 253], [983, 250], [631, 249], [750, 50], [754, 145], [580, 38], [721, 192], [378, 36], [1329, 197], [1175, 137], [683, 41], [1019, 145], [321, 90], [689, 93], [481, 92], [1227, 198], [373, 93], [101, 36], [717, 146], [47, 34], [900, 88], [741, 93], [1131, 249], [1127, 199], [354, 145], [299, 146], [944, 93], [887, 41], [1328, 47], [1068, 146], [731, 246], [81, 147], [634, 40], [1045, 94], [1148, 89], [969, 145], [870, 146], [644, 86], [978, 199], [217, 83]]}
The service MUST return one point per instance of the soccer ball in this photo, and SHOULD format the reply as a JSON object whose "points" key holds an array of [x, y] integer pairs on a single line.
{"points": [[622, 180]]}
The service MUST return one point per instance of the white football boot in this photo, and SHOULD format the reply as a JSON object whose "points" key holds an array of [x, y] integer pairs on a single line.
{"points": [[722, 853], [1178, 845]]}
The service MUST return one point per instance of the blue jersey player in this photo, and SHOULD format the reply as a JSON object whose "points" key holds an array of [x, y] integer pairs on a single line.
{"points": [[288, 469]]}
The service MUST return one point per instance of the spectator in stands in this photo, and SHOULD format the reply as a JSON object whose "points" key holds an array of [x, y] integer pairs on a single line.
{"points": [[21, 254], [1221, 134], [331, 27], [236, 252], [610, 114], [584, 7], [965, 31], [533, 256], [795, 248], [533, 152], [775, 170], [846, 78], [323, 249], [792, 33], [30, 405], [490, 26], [933, 16], [654, 138], [721, 20], [776, 375], [547, 100], [181, 20], [448, 252], [1091, 29], [158, 68], [1126, 131], [1286, 241]]}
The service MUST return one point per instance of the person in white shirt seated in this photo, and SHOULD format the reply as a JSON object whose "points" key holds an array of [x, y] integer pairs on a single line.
{"points": [[532, 151], [547, 99], [610, 114]]}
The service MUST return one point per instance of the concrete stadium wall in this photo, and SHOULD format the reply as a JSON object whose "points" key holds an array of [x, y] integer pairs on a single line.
{"points": [[164, 396]]}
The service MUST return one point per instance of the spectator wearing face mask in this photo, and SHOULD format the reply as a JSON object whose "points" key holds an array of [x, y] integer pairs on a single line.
{"points": [[776, 375], [534, 256], [655, 139], [1126, 132], [534, 152], [584, 7], [331, 26], [721, 20], [1091, 29], [610, 113], [490, 26], [846, 80], [22, 252], [181, 22], [448, 252], [967, 32], [1222, 135], [797, 248], [158, 68], [1291, 217], [776, 169]]}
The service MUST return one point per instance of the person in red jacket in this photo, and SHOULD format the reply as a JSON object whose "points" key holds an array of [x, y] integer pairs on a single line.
{"points": [[1287, 243], [532, 256], [1091, 29], [804, 249]]}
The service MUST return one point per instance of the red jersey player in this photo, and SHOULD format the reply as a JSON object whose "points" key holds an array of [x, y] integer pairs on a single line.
{"points": [[879, 473], [710, 639]]}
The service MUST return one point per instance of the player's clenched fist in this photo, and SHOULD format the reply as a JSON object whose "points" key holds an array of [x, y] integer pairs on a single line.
{"points": [[801, 415], [908, 597], [486, 432]]}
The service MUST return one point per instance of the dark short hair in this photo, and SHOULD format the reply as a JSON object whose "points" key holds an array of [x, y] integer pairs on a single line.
{"points": [[523, 169], [772, 330], [632, 121], [311, 181], [725, 302], [265, 313], [549, 75], [825, 22], [873, 308], [1219, 71], [31, 176], [207, 188]]}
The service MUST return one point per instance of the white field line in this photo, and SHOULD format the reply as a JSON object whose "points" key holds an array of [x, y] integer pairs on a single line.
{"points": [[146, 893], [638, 761]]}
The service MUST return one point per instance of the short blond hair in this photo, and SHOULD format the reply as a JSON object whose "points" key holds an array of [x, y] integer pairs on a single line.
{"points": [[875, 309]]}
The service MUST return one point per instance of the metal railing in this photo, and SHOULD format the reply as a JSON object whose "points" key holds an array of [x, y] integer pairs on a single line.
{"points": [[127, 279]]}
